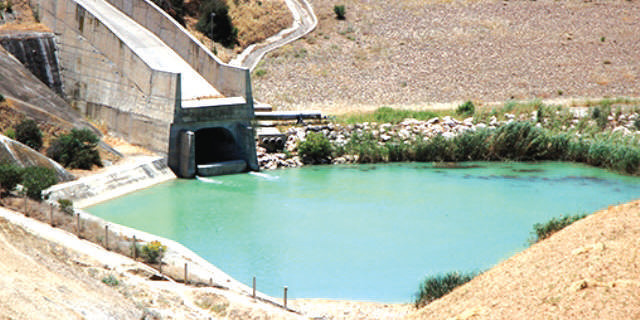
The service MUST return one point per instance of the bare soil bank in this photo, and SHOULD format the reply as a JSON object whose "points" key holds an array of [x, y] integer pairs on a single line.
{"points": [[415, 53]]}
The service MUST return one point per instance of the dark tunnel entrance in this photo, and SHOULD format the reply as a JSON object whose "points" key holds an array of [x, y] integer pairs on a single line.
{"points": [[215, 145]]}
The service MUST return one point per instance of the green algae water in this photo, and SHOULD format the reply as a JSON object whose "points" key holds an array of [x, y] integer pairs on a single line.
{"points": [[365, 232]]}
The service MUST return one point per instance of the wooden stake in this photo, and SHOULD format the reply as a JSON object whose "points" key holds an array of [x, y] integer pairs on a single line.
{"points": [[285, 296], [186, 280], [51, 215], [26, 205], [135, 249], [78, 224], [106, 237], [254, 287]]}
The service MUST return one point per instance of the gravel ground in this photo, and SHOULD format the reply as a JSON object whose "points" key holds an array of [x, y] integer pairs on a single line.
{"points": [[416, 53]]}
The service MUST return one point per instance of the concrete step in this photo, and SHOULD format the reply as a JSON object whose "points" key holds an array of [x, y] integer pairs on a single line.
{"points": [[221, 168]]}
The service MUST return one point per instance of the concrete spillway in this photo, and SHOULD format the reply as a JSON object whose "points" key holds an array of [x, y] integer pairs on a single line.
{"points": [[127, 64], [153, 51]]}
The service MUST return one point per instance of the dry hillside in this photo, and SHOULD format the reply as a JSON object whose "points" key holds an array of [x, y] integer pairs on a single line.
{"points": [[416, 52], [590, 270]]}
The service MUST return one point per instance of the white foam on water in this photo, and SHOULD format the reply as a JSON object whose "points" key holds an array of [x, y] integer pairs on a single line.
{"points": [[208, 180], [263, 175]]}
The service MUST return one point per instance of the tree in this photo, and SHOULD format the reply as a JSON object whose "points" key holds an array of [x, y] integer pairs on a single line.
{"points": [[36, 179], [28, 133], [10, 176], [216, 24], [76, 149]]}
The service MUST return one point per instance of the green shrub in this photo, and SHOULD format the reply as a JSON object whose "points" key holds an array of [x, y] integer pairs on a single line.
{"points": [[472, 145], [216, 24], [260, 72], [367, 148], [518, 141], [545, 230], [66, 206], [153, 252], [601, 114], [10, 177], [28, 133], [435, 287], [111, 281], [315, 149], [398, 151], [466, 109], [1, 95], [340, 12], [36, 179], [437, 149], [76, 149], [10, 133]]}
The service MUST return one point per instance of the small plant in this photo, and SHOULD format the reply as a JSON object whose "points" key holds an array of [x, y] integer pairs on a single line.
{"points": [[76, 149], [10, 176], [260, 72], [66, 206], [636, 124], [9, 7], [545, 230], [602, 39], [111, 281], [28, 133], [36, 179], [434, 287], [466, 109], [10, 133], [315, 149], [340, 12], [153, 252], [1, 95]]}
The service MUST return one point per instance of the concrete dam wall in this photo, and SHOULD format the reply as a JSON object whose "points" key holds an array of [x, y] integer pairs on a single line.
{"points": [[38, 52], [144, 77]]}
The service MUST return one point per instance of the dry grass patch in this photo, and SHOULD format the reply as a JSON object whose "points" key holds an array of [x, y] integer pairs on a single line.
{"points": [[257, 20]]}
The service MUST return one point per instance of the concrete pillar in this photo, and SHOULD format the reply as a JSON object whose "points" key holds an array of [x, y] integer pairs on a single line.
{"points": [[187, 156]]}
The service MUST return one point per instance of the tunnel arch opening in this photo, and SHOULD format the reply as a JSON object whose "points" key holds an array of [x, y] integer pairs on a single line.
{"points": [[215, 145]]}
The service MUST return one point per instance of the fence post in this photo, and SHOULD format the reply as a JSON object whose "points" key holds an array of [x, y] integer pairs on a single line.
{"points": [[254, 287], [285, 296], [51, 214], [26, 205], [78, 224], [106, 237], [135, 249], [186, 280], [211, 282]]}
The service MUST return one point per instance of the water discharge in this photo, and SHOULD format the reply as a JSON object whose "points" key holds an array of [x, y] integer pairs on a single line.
{"points": [[365, 232]]}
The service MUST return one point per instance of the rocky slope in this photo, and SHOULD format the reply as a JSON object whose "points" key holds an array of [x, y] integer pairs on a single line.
{"points": [[417, 53]]}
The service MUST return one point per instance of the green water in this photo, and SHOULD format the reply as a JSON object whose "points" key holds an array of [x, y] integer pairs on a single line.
{"points": [[365, 232]]}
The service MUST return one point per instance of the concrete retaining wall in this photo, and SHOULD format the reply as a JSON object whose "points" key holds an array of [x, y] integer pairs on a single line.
{"points": [[229, 80], [107, 81], [115, 182], [38, 52]]}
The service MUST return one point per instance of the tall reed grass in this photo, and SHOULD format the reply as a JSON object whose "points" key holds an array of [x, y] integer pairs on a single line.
{"points": [[516, 141]]}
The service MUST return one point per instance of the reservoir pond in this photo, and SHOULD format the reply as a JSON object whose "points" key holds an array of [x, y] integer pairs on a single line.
{"points": [[365, 232]]}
